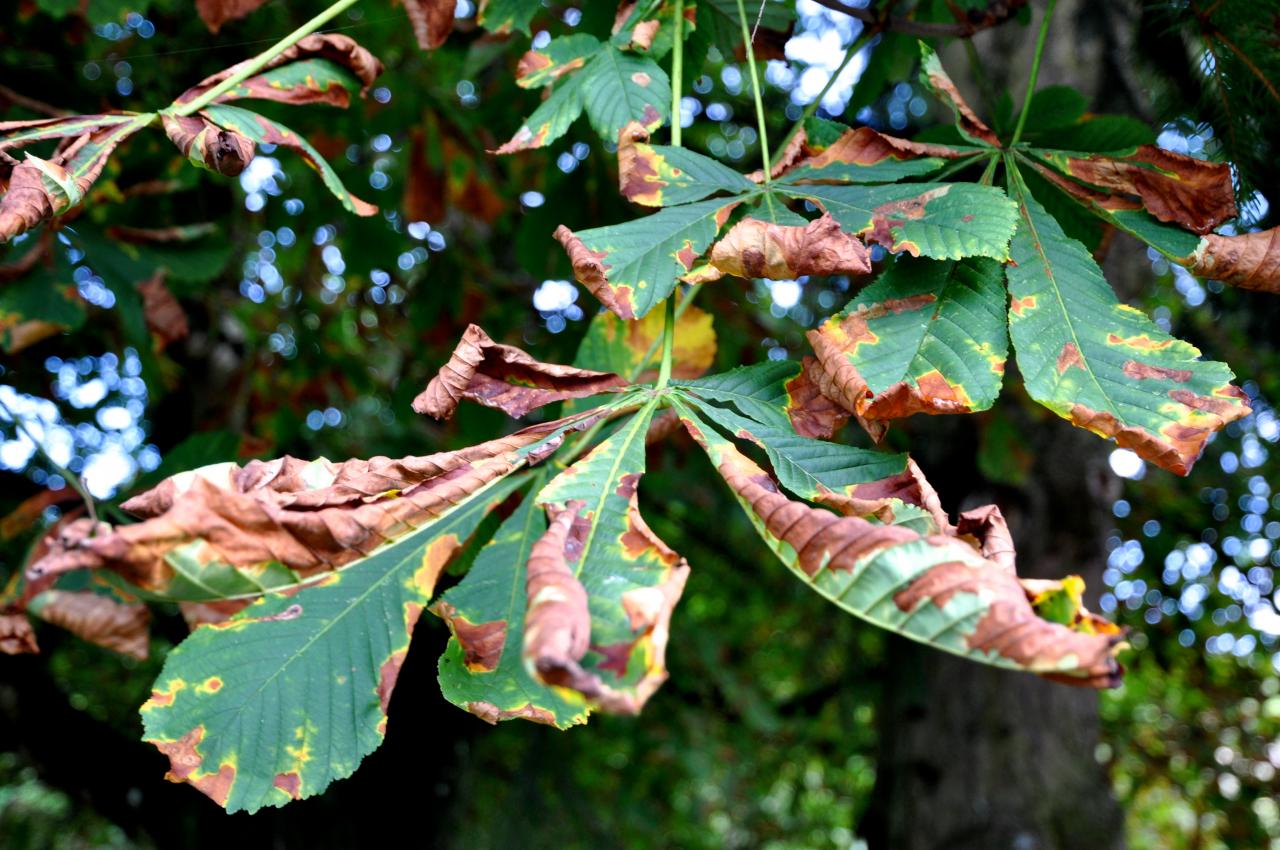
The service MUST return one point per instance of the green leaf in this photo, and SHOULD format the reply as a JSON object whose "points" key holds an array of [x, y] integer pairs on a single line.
{"points": [[664, 176], [761, 391], [278, 702], [264, 131], [16, 134], [809, 468], [551, 119], [618, 88], [42, 302], [633, 266], [926, 337], [481, 669], [1053, 108], [1096, 134], [504, 16], [946, 221], [1101, 364], [561, 56]]}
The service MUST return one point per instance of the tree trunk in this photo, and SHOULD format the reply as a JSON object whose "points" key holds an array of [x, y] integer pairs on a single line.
{"points": [[970, 756]]}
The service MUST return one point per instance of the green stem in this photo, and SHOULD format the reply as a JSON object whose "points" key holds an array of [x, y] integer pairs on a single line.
{"points": [[755, 91], [67, 475], [677, 72], [1035, 71], [668, 344], [260, 61], [860, 42], [990, 171]]}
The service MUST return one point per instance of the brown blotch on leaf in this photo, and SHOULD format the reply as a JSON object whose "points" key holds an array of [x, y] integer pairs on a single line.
{"points": [[812, 413], [185, 760], [290, 783], [490, 713], [1068, 357], [1145, 371], [339, 49], [481, 643], [505, 377]]}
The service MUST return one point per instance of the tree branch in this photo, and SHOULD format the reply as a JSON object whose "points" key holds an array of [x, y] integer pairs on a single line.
{"points": [[997, 12]]}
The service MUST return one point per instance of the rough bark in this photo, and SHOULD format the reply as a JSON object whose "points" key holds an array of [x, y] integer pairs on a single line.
{"points": [[974, 758]]}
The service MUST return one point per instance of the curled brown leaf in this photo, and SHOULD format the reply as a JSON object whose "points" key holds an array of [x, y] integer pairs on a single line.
{"points": [[16, 635], [505, 377], [309, 516], [1008, 627], [754, 248], [340, 49], [216, 148], [432, 21], [165, 317], [1249, 260]]}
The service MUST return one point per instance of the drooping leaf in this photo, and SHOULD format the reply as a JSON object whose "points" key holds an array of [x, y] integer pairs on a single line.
{"points": [[1103, 365], [507, 378], [481, 669], [662, 176], [551, 119], [320, 68], [264, 131], [1192, 193], [864, 156], [936, 589], [40, 189], [165, 317], [612, 653], [934, 78], [209, 146], [926, 337], [276, 703], [227, 530], [754, 248], [17, 134], [854, 481], [634, 266], [946, 221]]}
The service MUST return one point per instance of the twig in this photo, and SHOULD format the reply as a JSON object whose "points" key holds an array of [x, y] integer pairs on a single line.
{"points": [[30, 103], [70, 477]]}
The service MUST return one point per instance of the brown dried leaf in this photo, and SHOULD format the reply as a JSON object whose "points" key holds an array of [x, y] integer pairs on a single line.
{"points": [[215, 13], [1183, 190], [1249, 261], [16, 635], [812, 413], [507, 378], [98, 619], [200, 140], [432, 21], [25, 204], [755, 248], [841, 383], [307, 516], [165, 317], [339, 49]]}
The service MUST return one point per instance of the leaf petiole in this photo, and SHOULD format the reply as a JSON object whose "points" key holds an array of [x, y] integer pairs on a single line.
{"points": [[260, 61], [1035, 72]]}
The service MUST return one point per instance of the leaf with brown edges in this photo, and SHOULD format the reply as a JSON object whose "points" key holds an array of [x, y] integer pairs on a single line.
{"points": [[507, 378]]}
